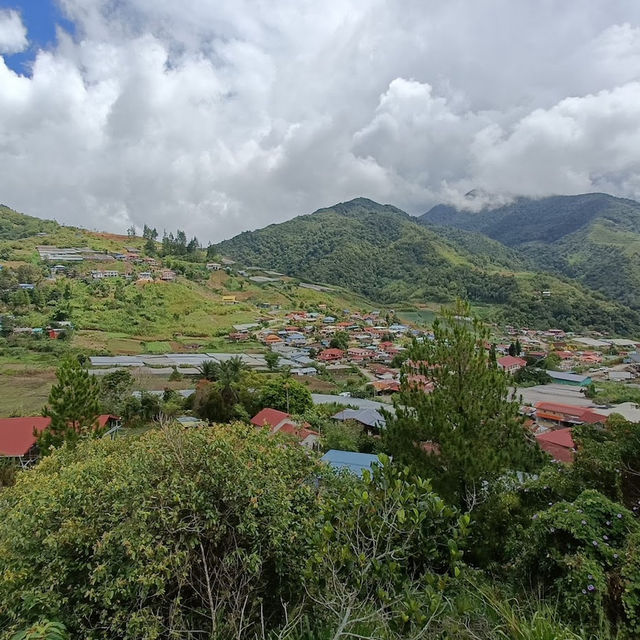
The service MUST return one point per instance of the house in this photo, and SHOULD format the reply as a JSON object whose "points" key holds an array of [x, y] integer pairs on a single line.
{"points": [[282, 422], [511, 364], [620, 375], [271, 418], [229, 299], [386, 386], [145, 276], [272, 338], [357, 354], [239, 336], [350, 461], [304, 371], [558, 444], [565, 414], [213, 266], [328, 320], [573, 379], [18, 436], [26, 286], [331, 355], [167, 275], [369, 418], [17, 439]]}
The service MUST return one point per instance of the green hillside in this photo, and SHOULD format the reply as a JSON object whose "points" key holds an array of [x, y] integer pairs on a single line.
{"points": [[14, 226], [384, 254], [594, 238]]}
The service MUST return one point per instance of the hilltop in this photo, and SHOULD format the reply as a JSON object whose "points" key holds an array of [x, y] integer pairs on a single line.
{"points": [[593, 238], [385, 254]]}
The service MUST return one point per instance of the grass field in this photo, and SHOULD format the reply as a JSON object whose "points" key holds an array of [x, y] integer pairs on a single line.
{"points": [[24, 392], [422, 318]]}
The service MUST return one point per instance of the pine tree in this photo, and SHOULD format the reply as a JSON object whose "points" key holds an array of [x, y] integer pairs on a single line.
{"points": [[73, 406], [468, 430], [518, 348], [512, 349]]}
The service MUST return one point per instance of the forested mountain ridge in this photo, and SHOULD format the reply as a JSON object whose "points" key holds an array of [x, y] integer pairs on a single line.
{"points": [[594, 237], [387, 255]]}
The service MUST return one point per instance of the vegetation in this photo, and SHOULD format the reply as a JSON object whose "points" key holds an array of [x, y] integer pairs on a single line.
{"points": [[73, 406], [384, 254], [592, 237], [230, 531], [450, 434], [286, 394], [614, 393]]}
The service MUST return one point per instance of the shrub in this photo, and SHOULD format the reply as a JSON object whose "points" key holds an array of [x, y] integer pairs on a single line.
{"points": [[186, 529]]}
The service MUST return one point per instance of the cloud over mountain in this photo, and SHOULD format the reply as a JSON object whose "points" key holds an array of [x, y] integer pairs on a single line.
{"points": [[230, 115]]}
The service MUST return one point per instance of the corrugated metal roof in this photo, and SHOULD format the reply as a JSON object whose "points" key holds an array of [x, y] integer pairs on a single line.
{"points": [[350, 460]]}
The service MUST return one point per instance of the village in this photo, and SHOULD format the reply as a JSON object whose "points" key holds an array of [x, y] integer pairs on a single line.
{"points": [[351, 358]]}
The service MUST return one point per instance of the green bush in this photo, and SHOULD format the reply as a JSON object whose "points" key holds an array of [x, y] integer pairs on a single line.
{"points": [[575, 551], [186, 529]]}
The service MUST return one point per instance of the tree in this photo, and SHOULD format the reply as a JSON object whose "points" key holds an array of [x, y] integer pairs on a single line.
{"points": [[340, 340], [150, 247], [512, 350], [209, 370], [468, 430], [131, 231], [286, 394], [272, 359], [115, 388], [73, 406], [518, 347], [344, 436]]}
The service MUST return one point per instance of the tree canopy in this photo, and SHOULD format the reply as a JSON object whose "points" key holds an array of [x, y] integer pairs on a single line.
{"points": [[468, 429]]}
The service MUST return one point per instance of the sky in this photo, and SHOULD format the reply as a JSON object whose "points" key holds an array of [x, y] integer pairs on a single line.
{"points": [[218, 116]]}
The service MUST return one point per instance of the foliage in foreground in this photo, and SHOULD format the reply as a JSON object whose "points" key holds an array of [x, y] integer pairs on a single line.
{"points": [[223, 529]]}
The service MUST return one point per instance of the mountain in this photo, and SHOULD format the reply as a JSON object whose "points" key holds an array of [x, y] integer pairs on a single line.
{"points": [[593, 238], [383, 253]]}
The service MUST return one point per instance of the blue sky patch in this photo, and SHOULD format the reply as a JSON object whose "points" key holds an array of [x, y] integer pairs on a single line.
{"points": [[40, 17]]}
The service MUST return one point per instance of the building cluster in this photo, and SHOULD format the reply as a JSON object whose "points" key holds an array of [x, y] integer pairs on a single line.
{"points": [[574, 355]]}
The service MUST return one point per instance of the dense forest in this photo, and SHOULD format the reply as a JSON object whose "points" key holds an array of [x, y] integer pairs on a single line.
{"points": [[593, 238]]}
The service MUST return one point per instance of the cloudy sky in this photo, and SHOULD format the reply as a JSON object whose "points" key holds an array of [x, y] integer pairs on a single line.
{"points": [[218, 116]]}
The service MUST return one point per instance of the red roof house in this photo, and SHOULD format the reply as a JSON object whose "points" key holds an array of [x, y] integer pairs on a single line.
{"points": [[567, 413], [281, 422], [17, 439], [331, 355], [559, 444], [511, 364], [270, 418]]}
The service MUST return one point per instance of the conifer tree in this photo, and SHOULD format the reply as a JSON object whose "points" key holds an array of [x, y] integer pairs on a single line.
{"points": [[73, 406], [468, 430]]}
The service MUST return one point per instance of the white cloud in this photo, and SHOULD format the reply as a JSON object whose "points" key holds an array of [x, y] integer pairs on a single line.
{"points": [[13, 35], [238, 113]]}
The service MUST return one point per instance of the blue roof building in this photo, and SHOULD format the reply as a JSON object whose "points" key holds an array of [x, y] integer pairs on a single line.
{"points": [[574, 379], [350, 460]]}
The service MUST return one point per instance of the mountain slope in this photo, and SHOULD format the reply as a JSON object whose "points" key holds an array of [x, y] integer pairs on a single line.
{"points": [[594, 238], [14, 225], [383, 253]]}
